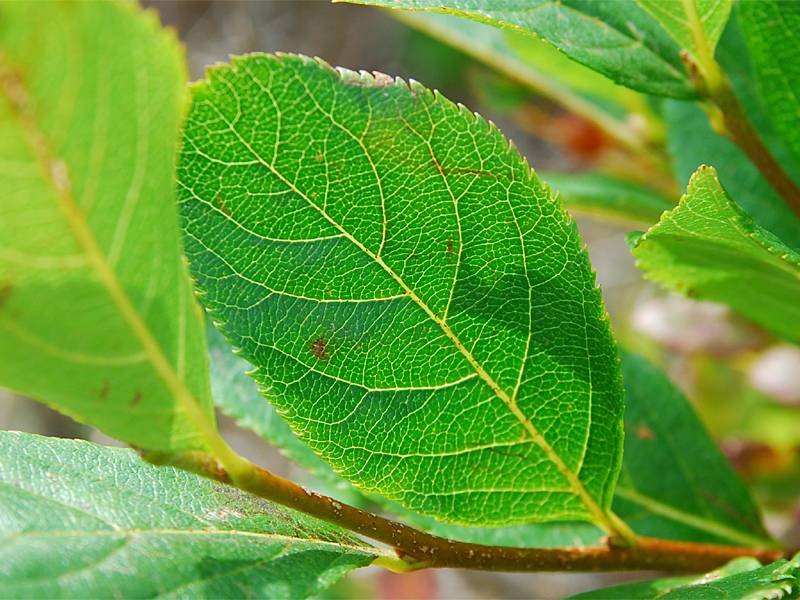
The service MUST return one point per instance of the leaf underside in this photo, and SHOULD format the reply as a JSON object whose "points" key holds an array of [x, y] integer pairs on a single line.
{"points": [[78, 520], [97, 316], [417, 305], [708, 248]]}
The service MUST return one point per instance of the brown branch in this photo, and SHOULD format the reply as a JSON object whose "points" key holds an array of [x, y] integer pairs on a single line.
{"points": [[423, 550]]}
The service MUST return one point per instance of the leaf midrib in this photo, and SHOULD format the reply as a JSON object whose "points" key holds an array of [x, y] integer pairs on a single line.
{"points": [[597, 513], [55, 172]]}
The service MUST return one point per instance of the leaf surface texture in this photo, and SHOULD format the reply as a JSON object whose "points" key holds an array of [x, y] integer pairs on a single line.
{"points": [[82, 520], [417, 304]]}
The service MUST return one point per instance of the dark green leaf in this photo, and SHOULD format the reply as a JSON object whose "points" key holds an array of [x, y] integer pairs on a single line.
{"points": [[772, 31], [709, 248], [419, 307], [615, 37], [692, 142], [79, 520], [97, 316], [675, 483], [238, 396]]}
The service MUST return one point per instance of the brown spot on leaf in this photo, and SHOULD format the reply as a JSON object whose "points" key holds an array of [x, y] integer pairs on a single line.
{"points": [[318, 156], [5, 293], [319, 348], [450, 249], [137, 398], [643, 432], [104, 389]]}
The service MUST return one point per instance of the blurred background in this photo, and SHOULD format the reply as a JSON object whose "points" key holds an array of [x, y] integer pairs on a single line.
{"points": [[745, 386]]}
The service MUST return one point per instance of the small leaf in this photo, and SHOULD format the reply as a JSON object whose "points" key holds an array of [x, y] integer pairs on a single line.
{"points": [[772, 33], [607, 197], [675, 483], [614, 37], [716, 584], [97, 316], [81, 520], [709, 248], [677, 17], [419, 308]]}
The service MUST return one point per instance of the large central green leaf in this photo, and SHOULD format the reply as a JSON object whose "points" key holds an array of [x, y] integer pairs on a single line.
{"points": [[419, 306]]}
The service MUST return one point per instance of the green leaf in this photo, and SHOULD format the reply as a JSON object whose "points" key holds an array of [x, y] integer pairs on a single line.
{"points": [[614, 37], [709, 248], [238, 397], [97, 316], [772, 33], [541, 68], [82, 520], [419, 307], [675, 483], [676, 18], [692, 584], [599, 195]]}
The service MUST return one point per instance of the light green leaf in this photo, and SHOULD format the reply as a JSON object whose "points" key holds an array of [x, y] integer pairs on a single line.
{"points": [[772, 33], [419, 307], [541, 68], [662, 588], [82, 520], [709, 248], [97, 316], [678, 18], [615, 37], [675, 483], [599, 195]]}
